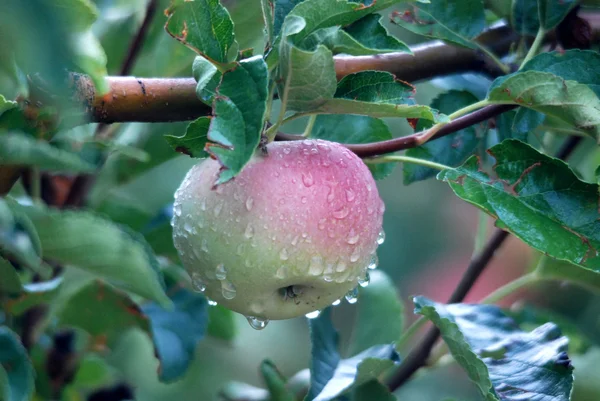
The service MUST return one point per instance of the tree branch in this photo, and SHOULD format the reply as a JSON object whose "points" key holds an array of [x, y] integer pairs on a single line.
{"points": [[417, 358]]}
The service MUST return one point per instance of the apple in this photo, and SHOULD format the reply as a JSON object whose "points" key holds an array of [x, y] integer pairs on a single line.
{"points": [[293, 233]]}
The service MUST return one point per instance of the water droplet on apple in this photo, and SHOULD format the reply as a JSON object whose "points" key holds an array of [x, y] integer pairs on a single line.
{"points": [[228, 289], [198, 283], [218, 208], [286, 150], [307, 179], [295, 241], [203, 204], [364, 281], [341, 213], [373, 262], [350, 195], [240, 248], [313, 315], [355, 255], [381, 237], [315, 268], [282, 272], [341, 266], [204, 245], [249, 203], [249, 231], [336, 302], [353, 237], [283, 254], [257, 323], [352, 296], [220, 272], [177, 209], [304, 199], [331, 195], [211, 302]]}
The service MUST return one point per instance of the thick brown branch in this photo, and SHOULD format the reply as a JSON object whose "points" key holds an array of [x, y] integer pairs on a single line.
{"points": [[418, 356], [174, 99]]}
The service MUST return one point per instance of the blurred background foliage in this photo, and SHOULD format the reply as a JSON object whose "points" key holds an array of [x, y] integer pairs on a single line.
{"points": [[430, 232]]}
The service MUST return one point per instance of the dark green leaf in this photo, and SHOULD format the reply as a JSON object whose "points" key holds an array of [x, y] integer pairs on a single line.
{"points": [[6, 104], [203, 71], [376, 94], [380, 314], [177, 332], [354, 129], [458, 22], [560, 270], [528, 14], [306, 78], [103, 311], [450, 150], [193, 141], [536, 197], [503, 361], [104, 248], [24, 150], [505, 129], [372, 390], [547, 93], [239, 116], [324, 354], [359, 369], [364, 37], [10, 283], [221, 323], [205, 27], [526, 121], [275, 382], [16, 373], [281, 9]]}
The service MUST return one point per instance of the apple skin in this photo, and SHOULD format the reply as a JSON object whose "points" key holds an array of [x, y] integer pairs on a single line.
{"points": [[292, 233]]}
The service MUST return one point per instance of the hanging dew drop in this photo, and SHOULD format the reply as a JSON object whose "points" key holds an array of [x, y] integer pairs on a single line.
{"points": [[353, 237], [198, 283], [364, 281], [249, 203], [220, 272], [313, 314], [381, 237], [211, 302], [283, 254], [352, 296], [282, 272], [308, 180], [374, 262], [257, 323], [228, 290], [336, 302], [341, 213], [204, 245], [177, 209], [249, 231]]}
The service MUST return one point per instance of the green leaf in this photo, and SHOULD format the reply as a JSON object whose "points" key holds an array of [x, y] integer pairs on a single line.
{"points": [[561, 270], [281, 9], [275, 382], [372, 390], [203, 71], [16, 373], [574, 65], [221, 323], [360, 369], [82, 13], [204, 26], [324, 353], [569, 101], [19, 240], [364, 37], [319, 14], [33, 294], [536, 197], [23, 150], [380, 314], [239, 111], [450, 150], [106, 249], [193, 141], [503, 361], [103, 311], [306, 78], [354, 129], [6, 105], [527, 15], [377, 94], [177, 332], [458, 22], [10, 283]]}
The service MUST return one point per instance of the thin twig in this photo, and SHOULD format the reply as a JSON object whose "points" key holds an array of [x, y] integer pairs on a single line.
{"points": [[417, 358], [83, 183]]}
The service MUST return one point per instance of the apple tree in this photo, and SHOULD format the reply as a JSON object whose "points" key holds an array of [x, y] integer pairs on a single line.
{"points": [[171, 168]]}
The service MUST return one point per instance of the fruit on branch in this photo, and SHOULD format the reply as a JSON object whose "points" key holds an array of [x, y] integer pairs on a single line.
{"points": [[293, 233]]}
